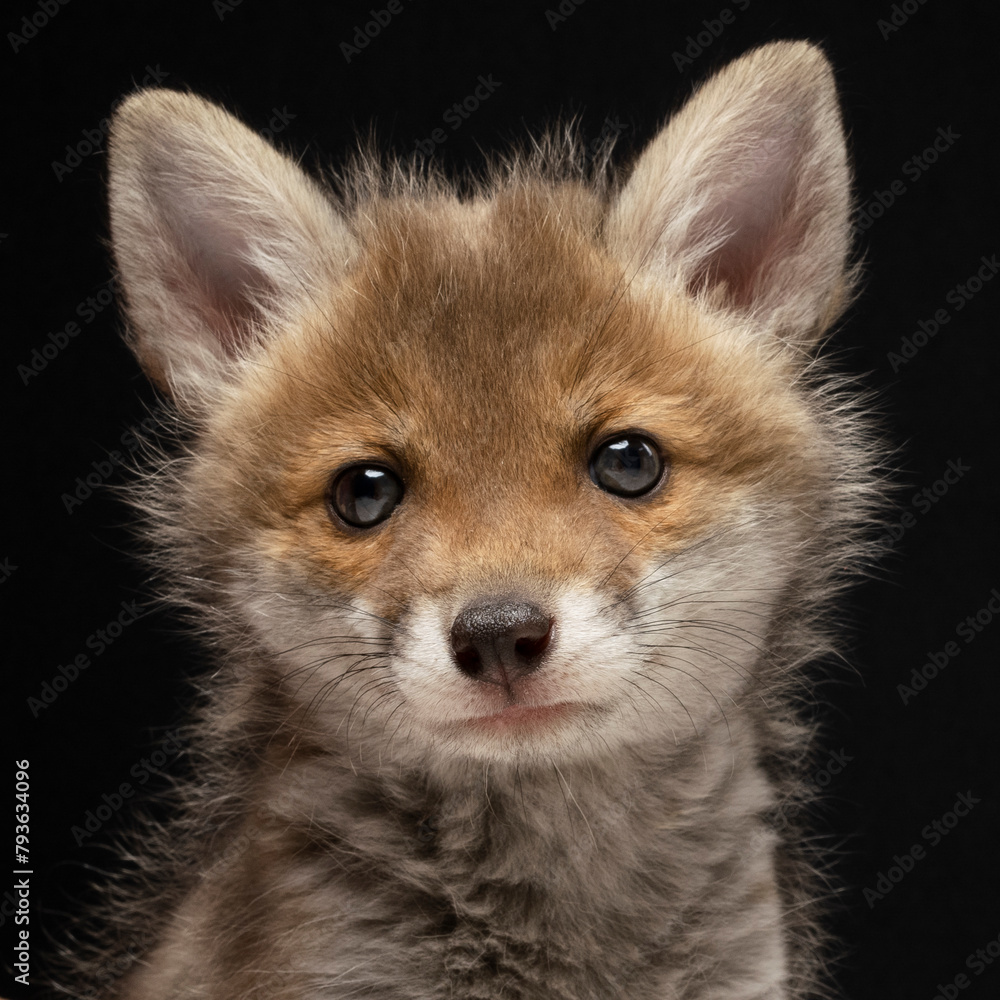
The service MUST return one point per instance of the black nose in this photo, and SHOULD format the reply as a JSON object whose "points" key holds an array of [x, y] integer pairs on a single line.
{"points": [[499, 641]]}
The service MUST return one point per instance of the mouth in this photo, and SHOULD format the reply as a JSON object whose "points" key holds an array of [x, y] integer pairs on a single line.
{"points": [[522, 717]]}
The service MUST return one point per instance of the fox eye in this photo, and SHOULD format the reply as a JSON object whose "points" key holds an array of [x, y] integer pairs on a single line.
{"points": [[627, 466], [365, 495]]}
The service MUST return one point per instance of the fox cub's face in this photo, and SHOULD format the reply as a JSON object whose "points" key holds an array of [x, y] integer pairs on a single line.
{"points": [[528, 473]]}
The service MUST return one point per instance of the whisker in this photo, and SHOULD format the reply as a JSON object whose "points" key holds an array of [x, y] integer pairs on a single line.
{"points": [[697, 680]]}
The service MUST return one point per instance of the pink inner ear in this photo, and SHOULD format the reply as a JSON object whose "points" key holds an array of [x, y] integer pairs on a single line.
{"points": [[215, 280], [757, 211], [227, 302]]}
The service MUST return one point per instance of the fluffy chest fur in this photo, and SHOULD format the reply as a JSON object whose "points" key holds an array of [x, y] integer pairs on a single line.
{"points": [[575, 882]]}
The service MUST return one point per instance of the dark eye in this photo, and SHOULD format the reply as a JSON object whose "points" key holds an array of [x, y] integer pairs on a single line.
{"points": [[365, 495], [627, 466]]}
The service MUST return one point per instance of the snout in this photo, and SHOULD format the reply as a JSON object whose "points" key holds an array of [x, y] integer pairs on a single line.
{"points": [[500, 641]]}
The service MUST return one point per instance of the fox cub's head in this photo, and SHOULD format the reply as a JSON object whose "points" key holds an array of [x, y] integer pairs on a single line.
{"points": [[534, 472]]}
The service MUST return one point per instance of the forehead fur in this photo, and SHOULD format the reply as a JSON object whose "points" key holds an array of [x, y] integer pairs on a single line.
{"points": [[480, 317]]}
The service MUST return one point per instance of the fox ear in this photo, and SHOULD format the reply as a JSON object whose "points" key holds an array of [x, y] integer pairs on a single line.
{"points": [[218, 238], [744, 197]]}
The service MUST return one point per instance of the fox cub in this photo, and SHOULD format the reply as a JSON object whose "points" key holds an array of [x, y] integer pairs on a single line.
{"points": [[510, 511]]}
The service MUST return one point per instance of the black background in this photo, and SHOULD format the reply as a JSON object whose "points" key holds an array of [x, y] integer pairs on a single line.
{"points": [[604, 61]]}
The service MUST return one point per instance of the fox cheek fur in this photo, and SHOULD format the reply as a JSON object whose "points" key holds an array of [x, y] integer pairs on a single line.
{"points": [[512, 518]]}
